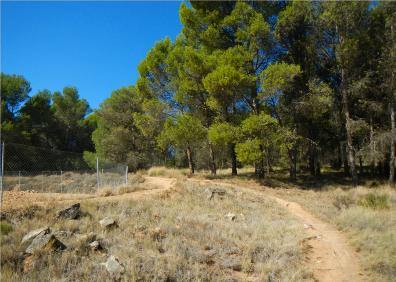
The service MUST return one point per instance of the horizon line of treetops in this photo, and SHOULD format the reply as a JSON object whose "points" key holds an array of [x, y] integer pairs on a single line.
{"points": [[289, 84]]}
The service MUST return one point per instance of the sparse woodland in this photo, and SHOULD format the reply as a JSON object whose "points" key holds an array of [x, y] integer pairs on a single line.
{"points": [[292, 85]]}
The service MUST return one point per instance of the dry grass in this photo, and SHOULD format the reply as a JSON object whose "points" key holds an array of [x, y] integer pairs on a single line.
{"points": [[180, 236], [68, 182], [168, 172], [135, 183], [367, 215]]}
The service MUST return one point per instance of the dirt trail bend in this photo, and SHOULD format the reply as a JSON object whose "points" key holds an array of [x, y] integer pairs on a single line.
{"points": [[329, 256], [21, 199]]}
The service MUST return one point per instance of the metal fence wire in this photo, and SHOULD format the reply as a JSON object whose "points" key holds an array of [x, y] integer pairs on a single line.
{"points": [[28, 168]]}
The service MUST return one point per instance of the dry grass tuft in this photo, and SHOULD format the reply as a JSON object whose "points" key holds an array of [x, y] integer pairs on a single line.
{"points": [[168, 172]]}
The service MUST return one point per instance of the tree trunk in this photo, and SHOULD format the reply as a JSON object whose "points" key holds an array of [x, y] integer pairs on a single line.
{"points": [[349, 147], [372, 148], [392, 114], [259, 166], [311, 157], [268, 161], [318, 167], [360, 165], [392, 152], [190, 160], [293, 163], [344, 160], [212, 160], [233, 159], [338, 163]]}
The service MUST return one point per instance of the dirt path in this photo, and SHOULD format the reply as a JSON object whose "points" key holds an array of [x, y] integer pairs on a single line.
{"points": [[329, 255], [21, 199]]}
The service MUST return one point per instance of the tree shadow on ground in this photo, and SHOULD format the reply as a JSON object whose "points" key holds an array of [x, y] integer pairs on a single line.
{"points": [[304, 181]]}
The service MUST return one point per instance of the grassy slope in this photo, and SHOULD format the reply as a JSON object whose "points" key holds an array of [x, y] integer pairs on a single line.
{"points": [[168, 237]]}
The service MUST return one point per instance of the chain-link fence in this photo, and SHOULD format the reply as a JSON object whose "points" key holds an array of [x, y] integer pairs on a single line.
{"points": [[28, 168]]}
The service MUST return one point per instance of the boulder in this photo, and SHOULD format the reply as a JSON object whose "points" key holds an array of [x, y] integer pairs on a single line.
{"points": [[45, 242], [108, 223], [113, 267], [33, 234], [72, 212]]}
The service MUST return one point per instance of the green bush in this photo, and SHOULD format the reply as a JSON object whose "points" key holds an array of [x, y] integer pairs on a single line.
{"points": [[5, 228], [374, 201]]}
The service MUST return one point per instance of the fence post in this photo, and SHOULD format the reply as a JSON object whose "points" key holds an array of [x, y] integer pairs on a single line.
{"points": [[97, 173], [126, 175], [61, 181], [1, 176], [19, 179]]}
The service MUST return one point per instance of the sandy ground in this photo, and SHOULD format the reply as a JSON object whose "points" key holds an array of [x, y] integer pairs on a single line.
{"points": [[329, 256]]}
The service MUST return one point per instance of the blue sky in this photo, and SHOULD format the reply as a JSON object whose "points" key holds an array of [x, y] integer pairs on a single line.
{"points": [[95, 46]]}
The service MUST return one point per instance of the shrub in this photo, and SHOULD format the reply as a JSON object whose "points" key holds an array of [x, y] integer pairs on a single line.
{"points": [[374, 201], [343, 201], [5, 228]]}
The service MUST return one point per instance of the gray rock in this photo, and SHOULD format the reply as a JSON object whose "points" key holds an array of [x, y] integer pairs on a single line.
{"points": [[33, 234], [230, 216], [72, 212], [113, 267], [45, 242], [212, 192], [232, 251], [62, 234], [95, 245], [232, 263], [108, 222]]}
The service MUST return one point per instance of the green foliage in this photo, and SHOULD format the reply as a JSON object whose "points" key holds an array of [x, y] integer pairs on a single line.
{"points": [[5, 228], [153, 82], [117, 137], [183, 132], [70, 111], [258, 134], [90, 159], [14, 91], [374, 201], [250, 151], [223, 133], [278, 77]]}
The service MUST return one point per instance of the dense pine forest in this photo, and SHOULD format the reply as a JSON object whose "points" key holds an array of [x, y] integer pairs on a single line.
{"points": [[294, 85]]}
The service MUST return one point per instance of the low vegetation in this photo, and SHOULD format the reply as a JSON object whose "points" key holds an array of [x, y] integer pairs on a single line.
{"points": [[177, 236]]}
